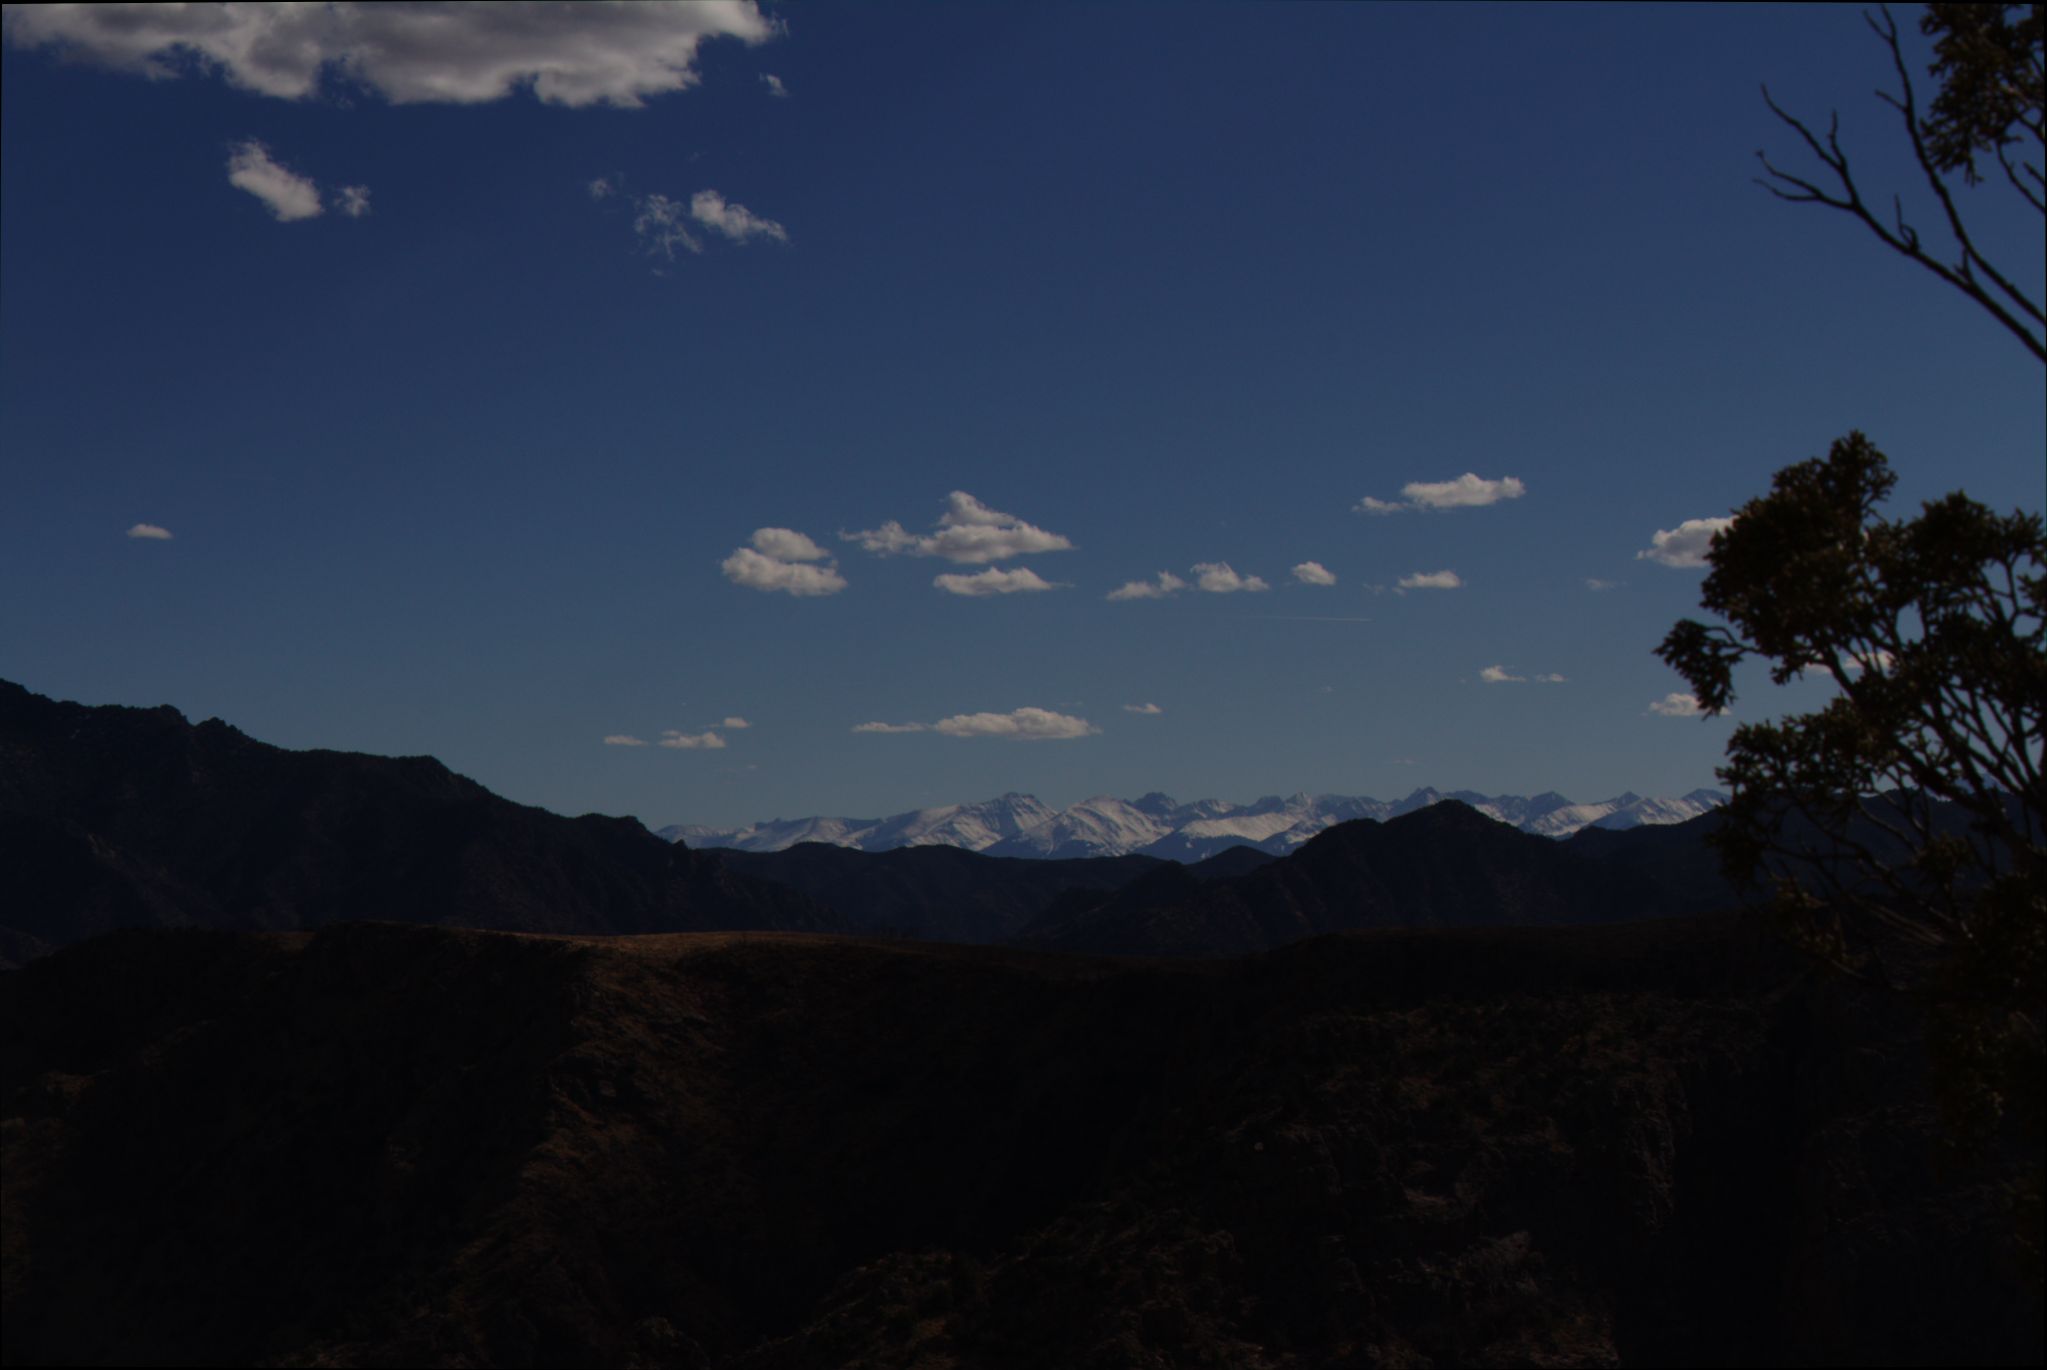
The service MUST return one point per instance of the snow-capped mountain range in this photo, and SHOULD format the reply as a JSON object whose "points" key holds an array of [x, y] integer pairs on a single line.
{"points": [[1158, 825]]}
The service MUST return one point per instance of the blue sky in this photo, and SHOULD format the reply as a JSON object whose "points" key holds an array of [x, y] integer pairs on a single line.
{"points": [[1151, 288]]}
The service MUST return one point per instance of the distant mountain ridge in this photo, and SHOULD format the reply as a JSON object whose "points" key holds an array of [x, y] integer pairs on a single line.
{"points": [[1159, 825]]}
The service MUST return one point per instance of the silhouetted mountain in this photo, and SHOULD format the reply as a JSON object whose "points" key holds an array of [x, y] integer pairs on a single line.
{"points": [[1445, 864], [1654, 1143], [113, 817], [939, 893]]}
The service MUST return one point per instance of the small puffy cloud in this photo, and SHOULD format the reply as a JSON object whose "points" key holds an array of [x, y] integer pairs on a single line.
{"points": [[735, 722], [1022, 725], [968, 532], [287, 195], [1468, 491], [1499, 675], [1595, 583], [775, 86], [1166, 585], [354, 201], [1684, 545], [573, 55], [1217, 578], [1142, 709], [704, 741], [624, 740], [786, 544], [1313, 573], [151, 532], [735, 222], [1018, 725], [1432, 580], [1676, 705], [603, 188], [1023, 580], [780, 560]]}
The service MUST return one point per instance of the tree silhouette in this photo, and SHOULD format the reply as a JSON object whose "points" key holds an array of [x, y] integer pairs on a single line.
{"points": [[1988, 60]]}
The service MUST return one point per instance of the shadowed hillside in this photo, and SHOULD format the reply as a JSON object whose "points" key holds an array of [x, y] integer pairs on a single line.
{"points": [[1443, 866], [1651, 1143], [113, 817]]}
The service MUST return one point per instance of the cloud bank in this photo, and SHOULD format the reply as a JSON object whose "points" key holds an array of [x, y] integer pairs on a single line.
{"points": [[571, 55]]}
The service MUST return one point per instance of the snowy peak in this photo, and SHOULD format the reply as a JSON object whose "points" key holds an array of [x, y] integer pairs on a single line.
{"points": [[1157, 825]]}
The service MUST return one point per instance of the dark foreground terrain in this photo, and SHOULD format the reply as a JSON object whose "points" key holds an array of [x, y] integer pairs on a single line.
{"points": [[1648, 1143]]}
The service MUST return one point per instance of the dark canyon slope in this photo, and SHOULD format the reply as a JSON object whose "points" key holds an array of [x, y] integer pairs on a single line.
{"points": [[1646, 1143], [114, 817], [1443, 866]]}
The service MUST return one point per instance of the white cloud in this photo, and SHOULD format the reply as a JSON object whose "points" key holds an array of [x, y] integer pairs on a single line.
{"points": [[1164, 587], [705, 741], [288, 195], [1432, 580], [1675, 705], [355, 201], [1499, 675], [1313, 573], [624, 740], [1468, 491], [603, 188], [786, 544], [1595, 583], [1023, 725], [573, 55], [775, 86], [1684, 545], [658, 221], [150, 531], [777, 561], [1142, 709], [1019, 725], [993, 582], [735, 722], [968, 532], [735, 222], [1217, 578]]}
